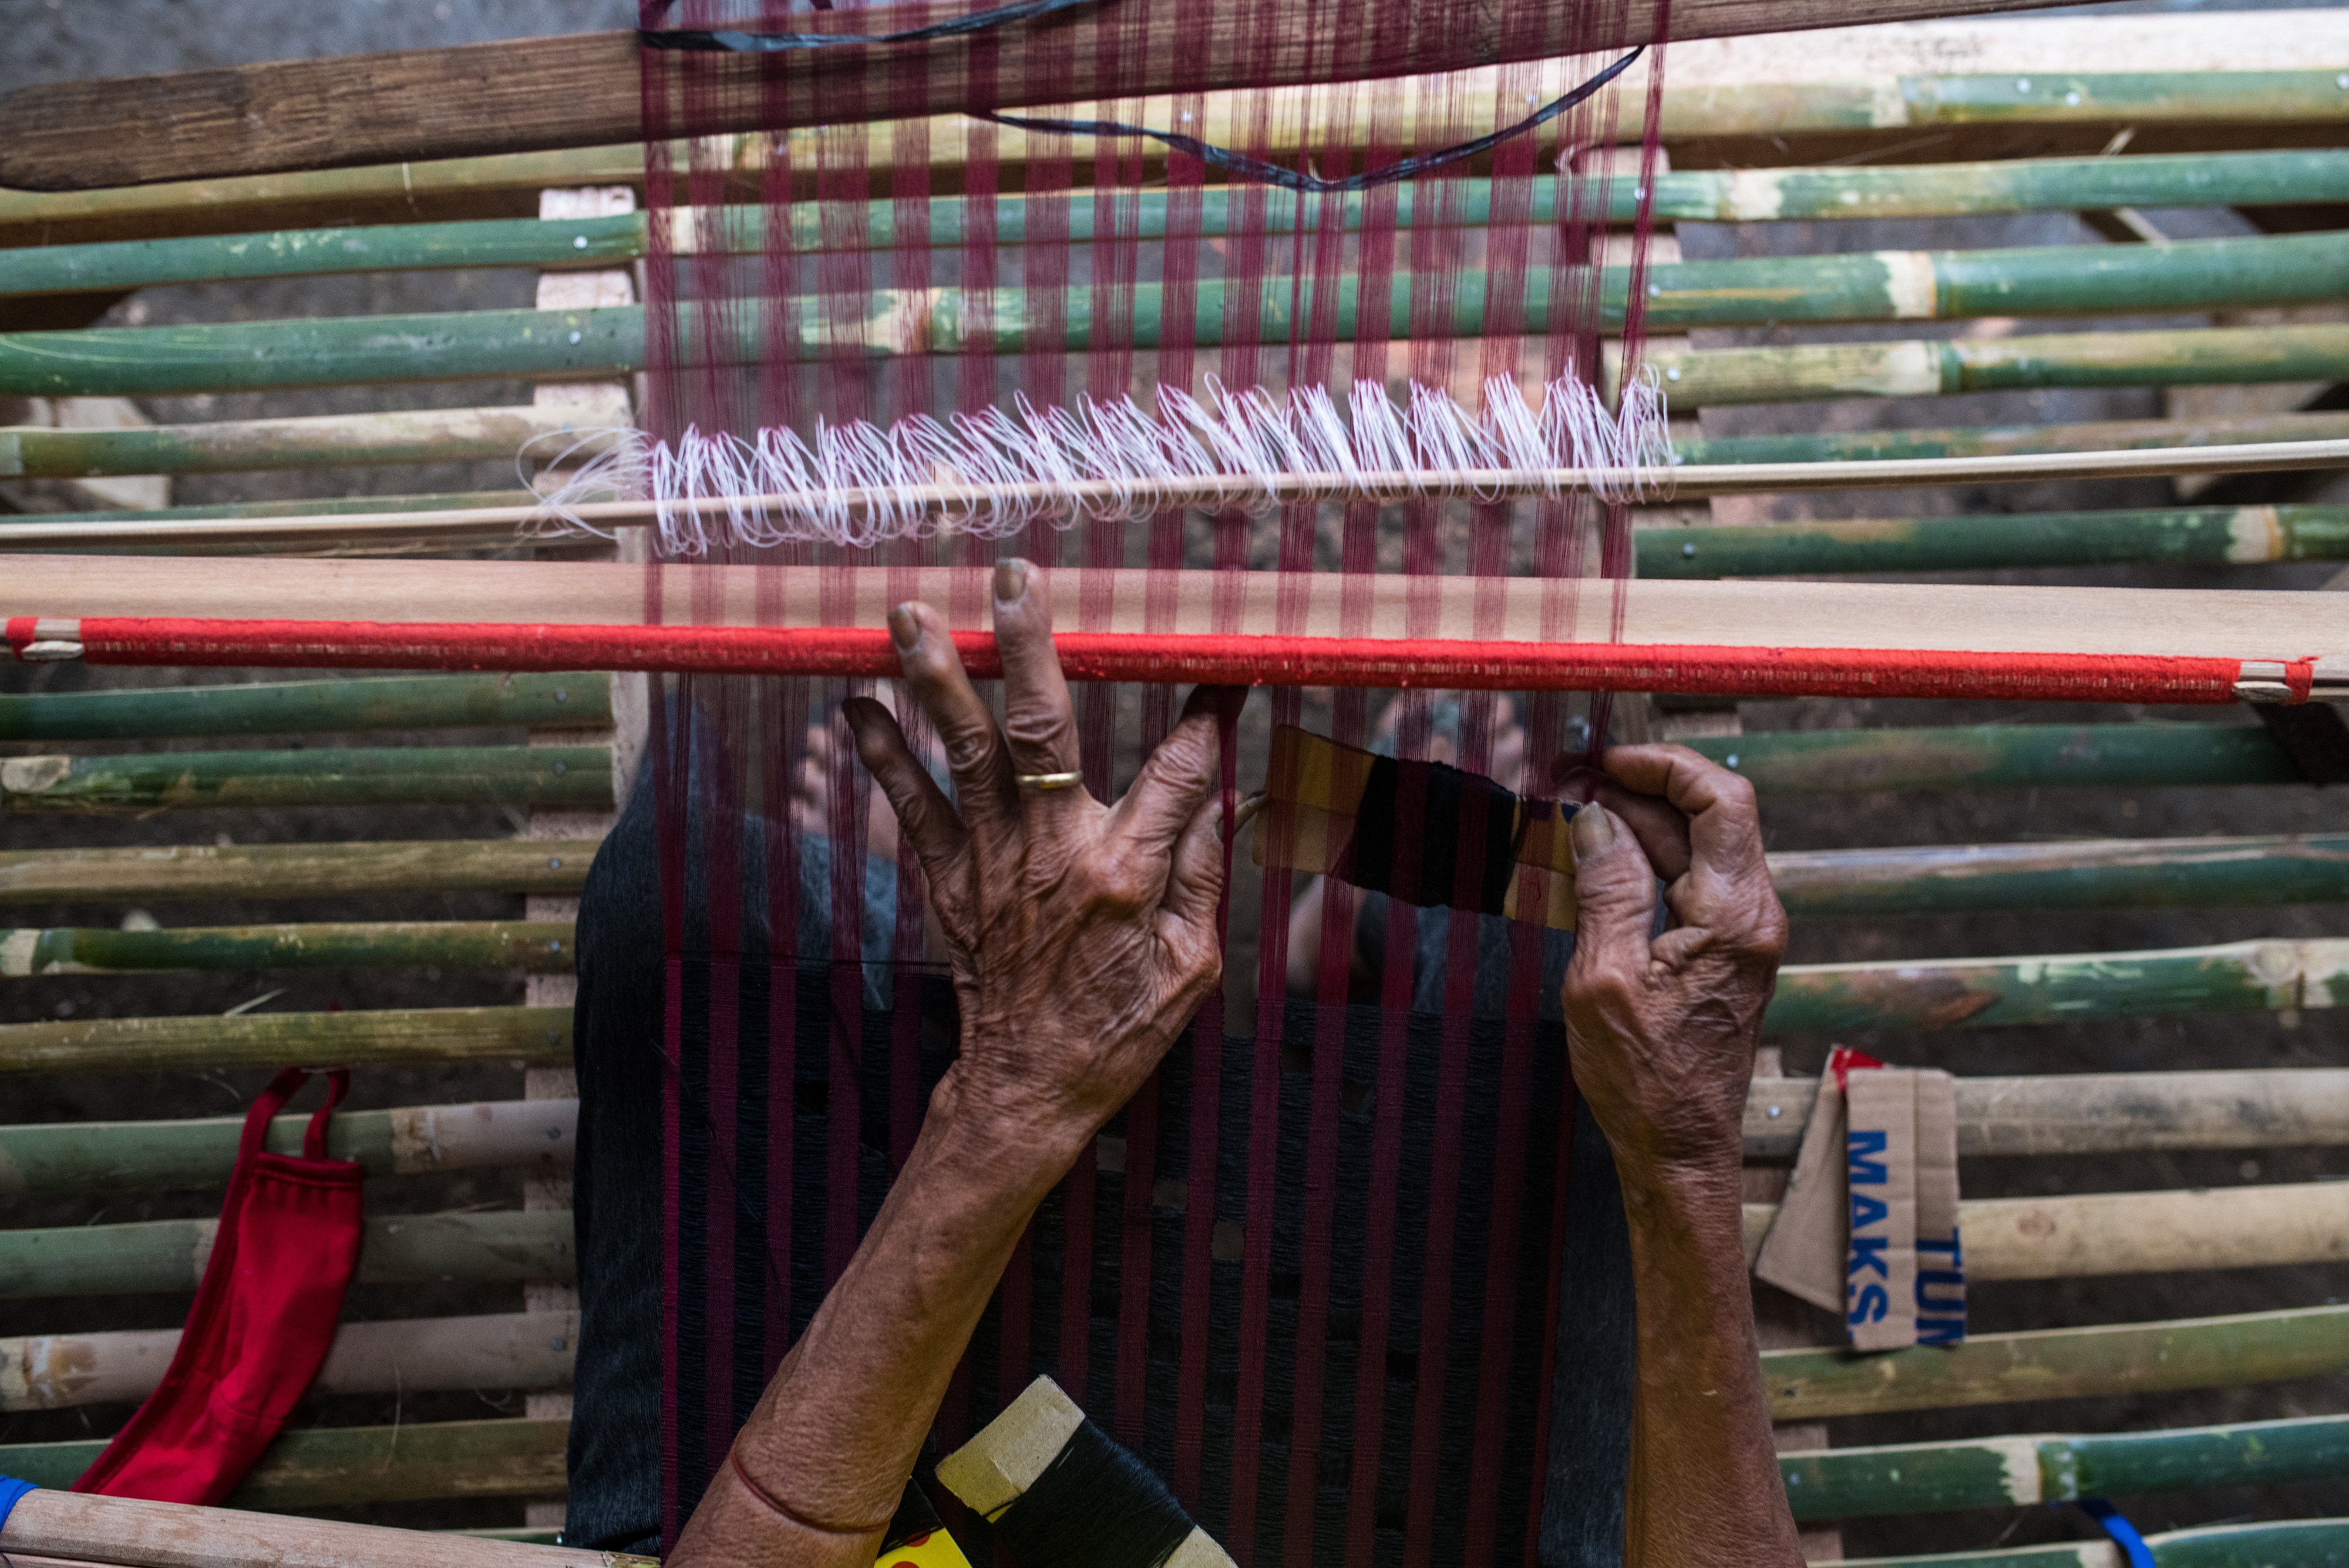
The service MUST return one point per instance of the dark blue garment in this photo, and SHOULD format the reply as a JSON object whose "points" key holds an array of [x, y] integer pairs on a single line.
{"points": [[617, 1045]]}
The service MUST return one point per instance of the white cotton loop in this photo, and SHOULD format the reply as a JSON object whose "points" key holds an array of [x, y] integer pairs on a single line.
{"points": [[996, 471]]}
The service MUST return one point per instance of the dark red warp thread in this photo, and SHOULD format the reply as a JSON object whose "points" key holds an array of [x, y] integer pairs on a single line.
{"points": [[1433, 663]]}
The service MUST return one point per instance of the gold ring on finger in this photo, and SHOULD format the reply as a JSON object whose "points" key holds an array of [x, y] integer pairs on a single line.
{"points": [[1048, 781]]}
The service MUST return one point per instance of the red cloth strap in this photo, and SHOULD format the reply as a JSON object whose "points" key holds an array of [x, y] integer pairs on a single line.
{"points": [[264, 1315], [1454, 665]]}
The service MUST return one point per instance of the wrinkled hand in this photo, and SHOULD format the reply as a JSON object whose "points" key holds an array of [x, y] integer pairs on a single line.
{"points": [[1083, 937], [1662, 1032]]}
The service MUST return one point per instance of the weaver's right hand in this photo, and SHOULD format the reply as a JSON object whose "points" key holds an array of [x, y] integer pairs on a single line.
{"points": [[1083, 936]]}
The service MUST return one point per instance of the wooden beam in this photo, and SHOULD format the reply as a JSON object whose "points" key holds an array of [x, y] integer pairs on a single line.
{"points": [[585, 88], [2162, 622]]}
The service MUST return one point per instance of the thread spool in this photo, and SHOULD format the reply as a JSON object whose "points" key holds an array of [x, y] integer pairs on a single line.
{"points": [[1061, 1493]]}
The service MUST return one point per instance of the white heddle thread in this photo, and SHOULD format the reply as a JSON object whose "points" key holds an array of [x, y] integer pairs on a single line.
{"points": [[993, 474]]}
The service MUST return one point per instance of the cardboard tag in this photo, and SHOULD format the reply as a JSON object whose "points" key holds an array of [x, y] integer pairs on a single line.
{"points": [[1880, 1173], [1803, 1252], [1941, 1261]]}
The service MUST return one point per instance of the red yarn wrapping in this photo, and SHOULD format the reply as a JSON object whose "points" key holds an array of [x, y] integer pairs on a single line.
{"points": [[1342, 661]]}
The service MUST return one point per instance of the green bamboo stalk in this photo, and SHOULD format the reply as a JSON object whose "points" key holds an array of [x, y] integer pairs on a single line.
{"points": [[1944, 993], [2105, 435], [272, 1039], [2302, 1542], [313, 253], [2090, 873], [293, 707], [2003, 756], [2009, 1472], [576, 776], [316, 440], [2100, 1113], [158, 1255], [1724, 378], [2060, 1364], [322, 505], [155, 361], [335, 1467], [539, 946], [2193, 535], [294, 870], [184, 1156], [2233, 179]]}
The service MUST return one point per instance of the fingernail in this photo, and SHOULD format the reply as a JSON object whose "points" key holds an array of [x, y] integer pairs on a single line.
{"points": [[904, 630], [1594, 831], [1010, 581]]}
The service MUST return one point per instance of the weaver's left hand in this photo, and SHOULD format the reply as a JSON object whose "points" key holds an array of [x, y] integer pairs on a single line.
{"points": [[1083, 936]]}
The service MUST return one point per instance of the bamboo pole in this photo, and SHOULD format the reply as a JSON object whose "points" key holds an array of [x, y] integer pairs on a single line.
{"points": [[1711, 195], [183, 1156], [539, 947], [2100, 1113], [309, 440], [576, 776], [2003, 756], [2014, 440], [316, 1467], [293, 707], [2021, 1472], [405, 1355], [2060, 1364], [2194, 536], [292, 870], [1941, 993], [298, 507], [272, 1039], [153, 1256], [599, 343], [2091, 1236], [2301, 1541], [2088, 873]]}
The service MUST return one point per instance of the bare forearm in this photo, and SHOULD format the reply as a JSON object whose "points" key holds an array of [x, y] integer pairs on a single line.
{"points": [[822, 1461], [1705, 1486]]}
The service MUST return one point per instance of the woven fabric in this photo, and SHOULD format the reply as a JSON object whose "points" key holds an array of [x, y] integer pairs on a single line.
{"points": [[1313, 1273]]}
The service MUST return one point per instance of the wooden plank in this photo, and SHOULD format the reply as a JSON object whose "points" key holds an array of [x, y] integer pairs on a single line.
{"points": [[169, 1255], [585, 89], [2061, 1364], [142, 1534], [2221, 623], [405, 1355]]}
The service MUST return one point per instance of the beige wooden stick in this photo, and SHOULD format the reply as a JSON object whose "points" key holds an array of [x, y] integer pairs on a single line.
{"points": [[1695, 481], [1925, 617], [2141, 1233], [135, 1533]]}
